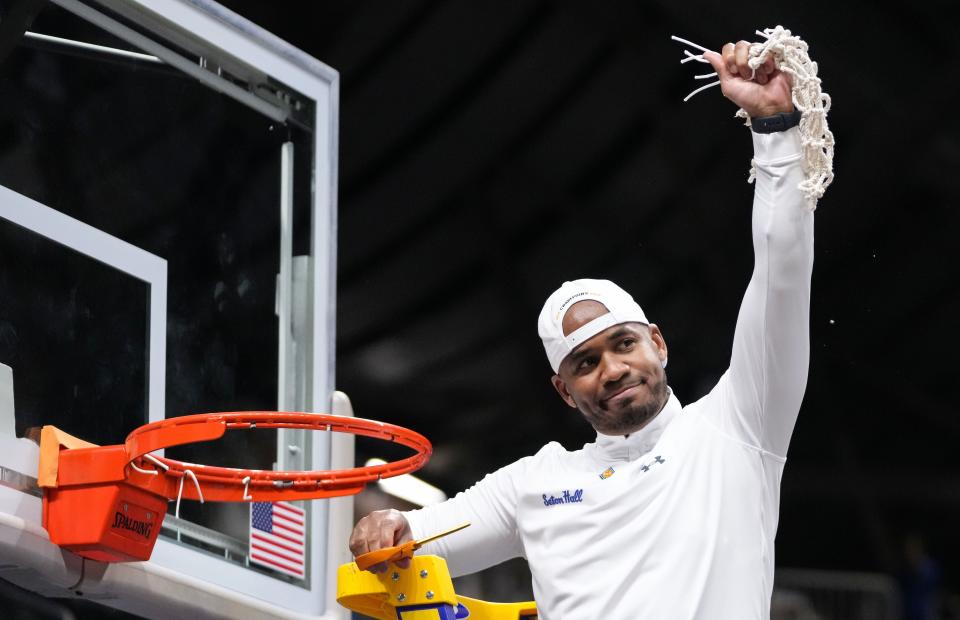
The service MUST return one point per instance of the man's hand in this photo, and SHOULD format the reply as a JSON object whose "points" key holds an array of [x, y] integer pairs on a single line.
{"points": [[379, 529], [764, 93]]}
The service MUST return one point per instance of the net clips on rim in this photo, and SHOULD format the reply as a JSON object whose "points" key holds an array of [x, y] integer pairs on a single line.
{"points": [[187, 472], [790, 55], [167, 477]]}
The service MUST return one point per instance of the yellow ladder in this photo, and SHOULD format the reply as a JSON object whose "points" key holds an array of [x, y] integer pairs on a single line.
{"points": [[422, 592]]}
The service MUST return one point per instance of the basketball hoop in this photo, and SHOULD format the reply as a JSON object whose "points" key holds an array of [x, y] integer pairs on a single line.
{"points": [[107, 502]]}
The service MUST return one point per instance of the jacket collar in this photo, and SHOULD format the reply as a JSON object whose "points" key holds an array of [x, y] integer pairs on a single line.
{"points": [[614, 448]]}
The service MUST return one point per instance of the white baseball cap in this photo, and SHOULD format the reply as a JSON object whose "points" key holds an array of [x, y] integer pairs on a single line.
{"points": [[621, 308]]}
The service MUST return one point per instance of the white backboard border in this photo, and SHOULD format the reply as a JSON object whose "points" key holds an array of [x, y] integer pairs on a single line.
{"points": [[226, 41]]}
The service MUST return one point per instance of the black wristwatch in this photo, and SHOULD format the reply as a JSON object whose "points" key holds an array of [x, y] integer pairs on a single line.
{"points": [[778, 122]]}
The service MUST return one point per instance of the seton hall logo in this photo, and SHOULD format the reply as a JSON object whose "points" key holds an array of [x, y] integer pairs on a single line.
{"points": [[568, 497]]}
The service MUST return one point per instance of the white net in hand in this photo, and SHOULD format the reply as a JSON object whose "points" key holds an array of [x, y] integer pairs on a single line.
{"points": [[790, 55]]}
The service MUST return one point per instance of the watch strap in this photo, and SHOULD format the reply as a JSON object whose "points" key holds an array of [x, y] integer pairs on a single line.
{"points": [[778, 122]]}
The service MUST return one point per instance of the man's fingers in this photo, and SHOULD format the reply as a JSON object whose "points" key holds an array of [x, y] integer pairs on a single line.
{"points": [[386, 534], [734, 58], [756, 91], [379, 529], [718, 64], [729, 58], [742, 55], [359, 548], [358, 541]]}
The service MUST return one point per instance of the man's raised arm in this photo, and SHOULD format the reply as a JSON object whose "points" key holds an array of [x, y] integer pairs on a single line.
{"points": [[764, 386]]}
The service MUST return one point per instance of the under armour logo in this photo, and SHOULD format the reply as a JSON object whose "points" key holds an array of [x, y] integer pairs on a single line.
{"points": [[657, 460]]}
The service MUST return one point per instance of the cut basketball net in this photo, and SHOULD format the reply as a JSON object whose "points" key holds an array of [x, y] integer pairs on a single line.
{"points": [[196, 483], [107, 502], [790, 55]]}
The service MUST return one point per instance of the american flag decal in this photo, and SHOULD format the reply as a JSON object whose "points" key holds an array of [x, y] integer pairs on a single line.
{"points": [[278, 537]]}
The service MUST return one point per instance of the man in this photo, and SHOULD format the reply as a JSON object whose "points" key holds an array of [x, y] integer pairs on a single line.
{"points": [[672, 511]]}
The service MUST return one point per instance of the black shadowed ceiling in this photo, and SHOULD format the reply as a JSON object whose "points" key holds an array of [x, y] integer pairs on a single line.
{"points": [[491, 150]]}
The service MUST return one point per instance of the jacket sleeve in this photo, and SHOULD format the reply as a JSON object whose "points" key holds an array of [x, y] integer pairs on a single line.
{"points": [[490, 506], [761, 392]]}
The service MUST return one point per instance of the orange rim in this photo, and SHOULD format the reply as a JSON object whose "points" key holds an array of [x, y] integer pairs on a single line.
{"points": [[235, 484]]}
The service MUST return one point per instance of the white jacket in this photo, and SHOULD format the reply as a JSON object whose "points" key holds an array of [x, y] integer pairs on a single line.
{"points": [[682, 524]]}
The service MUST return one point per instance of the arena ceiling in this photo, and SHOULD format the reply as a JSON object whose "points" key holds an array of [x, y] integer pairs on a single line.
{"points": [[490, 151]]}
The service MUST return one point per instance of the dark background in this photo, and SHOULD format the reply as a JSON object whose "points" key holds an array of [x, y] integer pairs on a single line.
{"points": [[491, 150]]}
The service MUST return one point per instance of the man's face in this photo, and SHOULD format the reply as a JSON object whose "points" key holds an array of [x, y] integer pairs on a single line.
{"points": [[616, 379]]}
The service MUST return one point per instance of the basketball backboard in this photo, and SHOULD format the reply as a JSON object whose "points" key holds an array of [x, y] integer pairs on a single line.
{"points": [[167, 246]]}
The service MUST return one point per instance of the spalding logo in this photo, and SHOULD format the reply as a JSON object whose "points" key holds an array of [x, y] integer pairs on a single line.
{"points": [[124, 522]]}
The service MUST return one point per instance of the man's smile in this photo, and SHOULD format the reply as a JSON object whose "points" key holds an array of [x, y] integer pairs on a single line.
{"points": [[621, 394]]}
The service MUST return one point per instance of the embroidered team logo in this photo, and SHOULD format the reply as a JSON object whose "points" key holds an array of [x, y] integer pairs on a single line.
{"points": [[606, 473], [568, 497]]}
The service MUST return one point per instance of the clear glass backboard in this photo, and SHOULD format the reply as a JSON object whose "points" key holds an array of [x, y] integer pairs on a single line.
{"points": [[167, 247]]}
